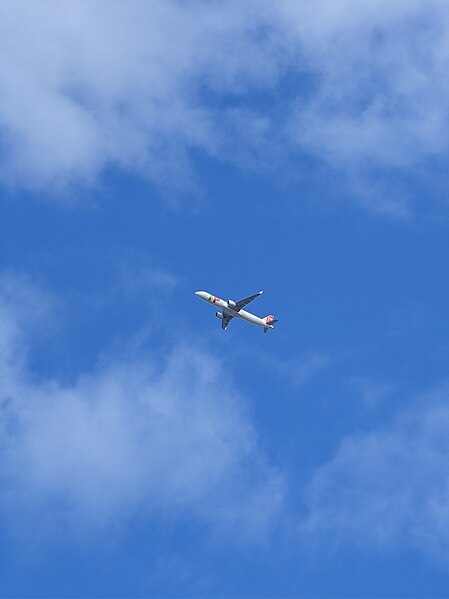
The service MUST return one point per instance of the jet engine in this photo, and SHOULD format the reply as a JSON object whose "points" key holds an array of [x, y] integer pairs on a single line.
{"points": [[219, 315], [231, 304]]}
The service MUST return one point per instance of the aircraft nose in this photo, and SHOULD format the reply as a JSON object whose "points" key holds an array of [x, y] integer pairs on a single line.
{"points": [[201, 294]]}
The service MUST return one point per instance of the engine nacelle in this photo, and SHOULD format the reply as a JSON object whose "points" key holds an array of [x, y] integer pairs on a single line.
{"points": [[231, 304], [219, 315]]}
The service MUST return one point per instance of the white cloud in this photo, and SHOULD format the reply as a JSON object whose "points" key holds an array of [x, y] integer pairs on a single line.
{"points": [[388, 487], [136, 85], [87, 85], [377, 107], [163, 434], [374, 103]]}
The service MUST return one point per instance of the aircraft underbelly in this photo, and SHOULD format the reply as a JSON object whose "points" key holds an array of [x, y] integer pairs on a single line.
{"points": [[250, 317], [242, 314]]}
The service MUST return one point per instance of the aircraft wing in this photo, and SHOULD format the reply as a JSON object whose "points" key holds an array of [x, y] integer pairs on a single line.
{"points": [[244, 302], [225, 321]]}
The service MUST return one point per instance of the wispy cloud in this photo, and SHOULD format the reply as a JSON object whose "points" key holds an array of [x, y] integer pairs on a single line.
{"points": [[379, 102], [372, 393], [299, 370], [387, 487], [138, 274]]}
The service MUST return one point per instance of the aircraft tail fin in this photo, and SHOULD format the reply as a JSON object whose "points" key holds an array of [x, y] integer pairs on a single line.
{"points": [[269, 320]]}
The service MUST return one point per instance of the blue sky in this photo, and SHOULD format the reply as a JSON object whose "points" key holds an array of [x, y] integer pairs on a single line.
{"points": [[151, 150]]}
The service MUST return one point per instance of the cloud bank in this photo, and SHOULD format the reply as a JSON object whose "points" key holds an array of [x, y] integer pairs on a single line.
{"points": [[360, 86], [158, 435]]}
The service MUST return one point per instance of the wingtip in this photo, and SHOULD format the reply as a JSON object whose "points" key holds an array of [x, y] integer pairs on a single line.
{"points": [[260, 292]]}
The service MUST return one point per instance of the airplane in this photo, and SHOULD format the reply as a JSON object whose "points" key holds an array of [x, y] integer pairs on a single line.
{"points": [[230, 310]]}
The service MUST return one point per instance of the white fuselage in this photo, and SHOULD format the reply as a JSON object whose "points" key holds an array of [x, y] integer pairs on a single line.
{"points": [[223, 305]]}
